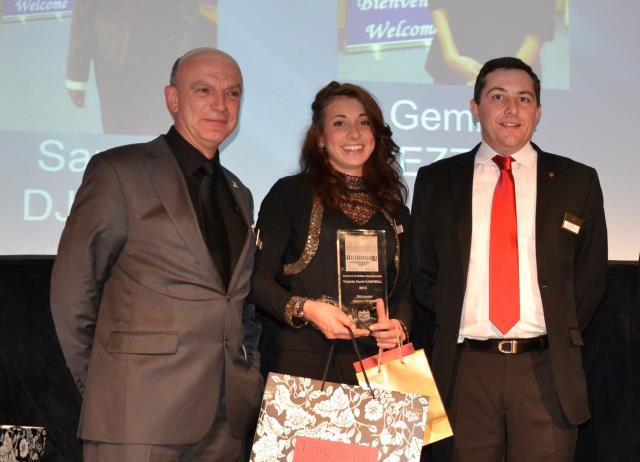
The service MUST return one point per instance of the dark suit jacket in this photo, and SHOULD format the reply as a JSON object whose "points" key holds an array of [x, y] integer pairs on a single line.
{"points": [[132, 45], [571, 268], [145, 323]]}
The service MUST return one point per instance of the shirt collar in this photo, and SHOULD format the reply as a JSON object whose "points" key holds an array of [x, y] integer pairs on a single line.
{"points": [[526, 156], [188, 157]]}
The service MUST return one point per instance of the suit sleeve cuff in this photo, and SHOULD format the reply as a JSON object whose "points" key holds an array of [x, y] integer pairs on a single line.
{"points": [[75, 85]]}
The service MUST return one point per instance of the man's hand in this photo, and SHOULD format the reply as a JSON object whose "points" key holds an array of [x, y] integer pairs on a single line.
{"points": [[77, 97]]}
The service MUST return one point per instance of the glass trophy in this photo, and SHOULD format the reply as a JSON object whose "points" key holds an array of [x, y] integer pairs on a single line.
{"points": [[362, 274]]}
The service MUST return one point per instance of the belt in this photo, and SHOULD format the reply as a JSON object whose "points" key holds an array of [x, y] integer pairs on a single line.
{"points": [[507, 346]]}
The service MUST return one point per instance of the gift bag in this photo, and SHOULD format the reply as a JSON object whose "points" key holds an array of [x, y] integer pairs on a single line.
{"points": [[404, 369], [301, 420], [19, 444]]}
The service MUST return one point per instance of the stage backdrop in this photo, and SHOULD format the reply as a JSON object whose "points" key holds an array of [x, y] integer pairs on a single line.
{"points": [[37, 389]]}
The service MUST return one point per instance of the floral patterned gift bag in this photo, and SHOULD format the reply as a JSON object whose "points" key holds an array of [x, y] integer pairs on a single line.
{"points": [[18, 444], [300, 421]]}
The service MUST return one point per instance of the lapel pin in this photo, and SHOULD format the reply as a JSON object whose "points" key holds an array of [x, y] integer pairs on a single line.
{"points": [[552, 174], [234, 184], [258, 240]]}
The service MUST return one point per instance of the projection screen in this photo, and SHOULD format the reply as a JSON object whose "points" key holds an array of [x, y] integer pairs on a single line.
{"points": [[81, 76]]}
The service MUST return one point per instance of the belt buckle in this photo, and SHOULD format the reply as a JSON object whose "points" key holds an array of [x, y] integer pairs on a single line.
{"points": [[512, 347]]}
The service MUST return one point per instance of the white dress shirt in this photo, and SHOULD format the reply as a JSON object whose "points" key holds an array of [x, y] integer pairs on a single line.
{"points": [[475, 323]]}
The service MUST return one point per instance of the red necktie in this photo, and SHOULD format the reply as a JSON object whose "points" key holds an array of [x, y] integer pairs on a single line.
{"points": [[504, 280]]}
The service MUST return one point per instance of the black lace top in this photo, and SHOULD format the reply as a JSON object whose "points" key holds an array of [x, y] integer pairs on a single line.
{"points": [[358, 204]]}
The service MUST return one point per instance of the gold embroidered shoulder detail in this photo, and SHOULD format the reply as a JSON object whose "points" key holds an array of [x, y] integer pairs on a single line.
{"points": [[313, 240]]}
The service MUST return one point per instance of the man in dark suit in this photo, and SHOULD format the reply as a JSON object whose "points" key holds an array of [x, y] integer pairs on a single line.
{"points": [[128, 43], [149, 285], [510, 254]]}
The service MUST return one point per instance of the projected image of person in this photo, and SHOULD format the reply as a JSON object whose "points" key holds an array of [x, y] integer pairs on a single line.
{"points": [[349, 179], [509, 253], [130, 44], [470, 32], [148, 290]]}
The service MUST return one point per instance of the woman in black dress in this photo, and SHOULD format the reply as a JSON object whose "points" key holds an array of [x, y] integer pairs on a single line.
{"points": [[349, 179]]}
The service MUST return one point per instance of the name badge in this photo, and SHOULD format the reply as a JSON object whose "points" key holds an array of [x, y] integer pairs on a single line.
{"points": [[571, 223]]}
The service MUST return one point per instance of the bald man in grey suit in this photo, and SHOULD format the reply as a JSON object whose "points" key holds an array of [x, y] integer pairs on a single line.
{"points": [[148, 288]]}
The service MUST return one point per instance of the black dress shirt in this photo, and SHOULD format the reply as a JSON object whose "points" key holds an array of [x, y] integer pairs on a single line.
{"points": [[191, 162]]}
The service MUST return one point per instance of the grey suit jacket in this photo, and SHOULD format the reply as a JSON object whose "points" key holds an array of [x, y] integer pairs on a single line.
{"points": [[152, 339], [571, 268]]}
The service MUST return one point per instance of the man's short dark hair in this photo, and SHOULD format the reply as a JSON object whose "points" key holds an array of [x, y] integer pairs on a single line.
{"points": [[173, 79], [504, 63]]}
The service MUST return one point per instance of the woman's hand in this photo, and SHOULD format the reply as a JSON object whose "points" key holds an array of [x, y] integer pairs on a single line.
{"points": [[331, 321], [387, 332], [467, 67]]}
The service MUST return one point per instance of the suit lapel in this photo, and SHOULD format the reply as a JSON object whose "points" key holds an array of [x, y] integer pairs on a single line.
{"points": [[461, 182], [244, 206], [549, 176], [241, 202], [169, 183], [547, 184]]}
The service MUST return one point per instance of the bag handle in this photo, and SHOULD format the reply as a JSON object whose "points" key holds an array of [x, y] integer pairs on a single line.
{"points": [[400, 343], [357, 350]]}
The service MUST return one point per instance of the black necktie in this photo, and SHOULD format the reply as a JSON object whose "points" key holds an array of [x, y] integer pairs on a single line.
{"points": [[214, 228]]}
